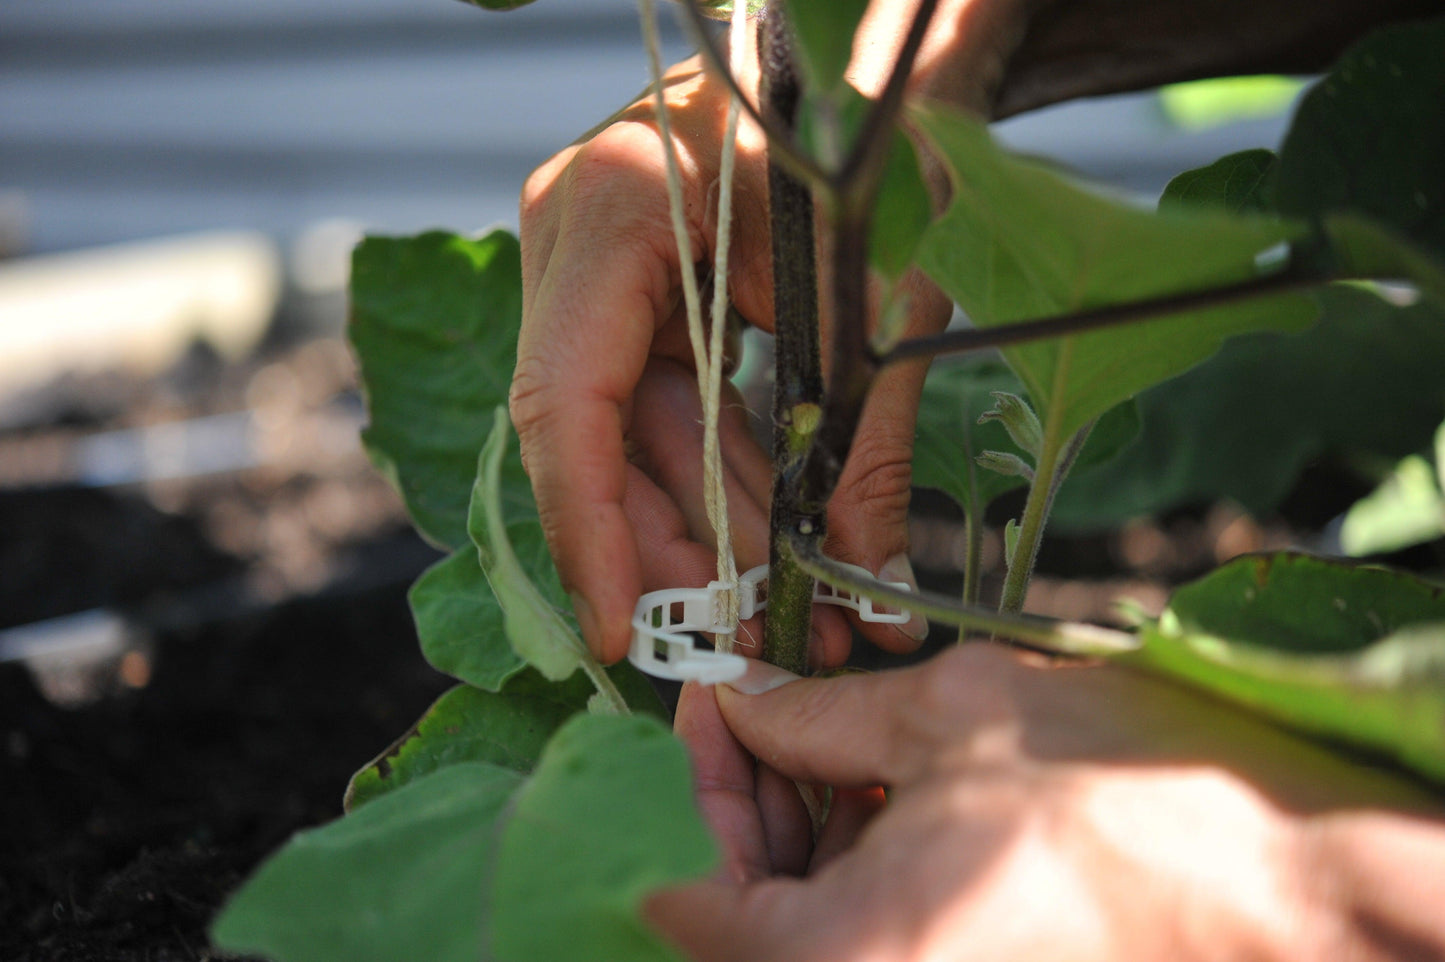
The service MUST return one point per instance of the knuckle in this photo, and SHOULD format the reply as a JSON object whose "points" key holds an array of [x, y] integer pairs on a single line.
{"points": [[531, 408], [877, 477], [623, 152]]}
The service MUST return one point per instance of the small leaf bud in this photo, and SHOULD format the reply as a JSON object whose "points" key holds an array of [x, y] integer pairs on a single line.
{"points": [[1010, 541], [1009, 465], [1014, 413]]}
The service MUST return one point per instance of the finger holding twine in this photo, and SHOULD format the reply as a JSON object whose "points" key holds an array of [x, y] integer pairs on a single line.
{"points": [[708, 347]]}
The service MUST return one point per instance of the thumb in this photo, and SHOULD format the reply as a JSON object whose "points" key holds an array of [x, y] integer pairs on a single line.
{"points": [[772, 921], [868, 515]]}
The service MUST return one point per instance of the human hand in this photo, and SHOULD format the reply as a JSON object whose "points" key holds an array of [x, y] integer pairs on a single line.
{"points": [[604, 398], [1042, 813]]}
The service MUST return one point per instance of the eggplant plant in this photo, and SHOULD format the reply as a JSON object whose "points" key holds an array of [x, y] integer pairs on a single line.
{"points": [[530, 811]]}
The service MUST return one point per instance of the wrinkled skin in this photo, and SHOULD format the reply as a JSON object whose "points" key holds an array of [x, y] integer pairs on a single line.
{"points": [[1042, 813]]}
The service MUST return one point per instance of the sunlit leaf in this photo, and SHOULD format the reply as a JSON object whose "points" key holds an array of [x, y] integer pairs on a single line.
{"points": [[1350, 653], [1365, 379], [1407, 509], [1201, 104], [434, 320], [823, 30], [1020, 242]]}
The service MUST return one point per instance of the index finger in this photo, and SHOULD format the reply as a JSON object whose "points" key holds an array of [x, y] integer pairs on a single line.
{"points": [[588, 324]]}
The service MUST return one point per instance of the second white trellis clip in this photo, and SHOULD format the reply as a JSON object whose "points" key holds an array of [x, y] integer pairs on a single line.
{"points": [[663, 623]]}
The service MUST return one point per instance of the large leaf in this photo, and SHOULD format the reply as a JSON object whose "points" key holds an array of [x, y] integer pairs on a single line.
{"points": [[949, 436], [404, 877], [1366, 379], [434, 321], [607, 818], [1352, 654], [550, 866], [1368, 139], [823, 31], [1019, 241]]}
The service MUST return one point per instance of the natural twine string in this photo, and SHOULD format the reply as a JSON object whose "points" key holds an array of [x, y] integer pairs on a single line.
{"points": [[707, 352]]}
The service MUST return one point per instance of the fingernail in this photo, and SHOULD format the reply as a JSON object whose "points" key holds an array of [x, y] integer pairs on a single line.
{"points": [[899, 568], [586, 620], [761, 677]]}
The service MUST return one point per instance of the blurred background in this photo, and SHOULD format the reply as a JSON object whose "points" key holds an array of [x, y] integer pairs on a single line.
{"points": [[203, 626]]}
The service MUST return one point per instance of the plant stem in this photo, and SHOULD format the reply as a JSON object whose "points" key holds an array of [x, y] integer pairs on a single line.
{"points": [[798, 386], [1028, 631], [603, 683], [1031, 526], [1022, 332]]}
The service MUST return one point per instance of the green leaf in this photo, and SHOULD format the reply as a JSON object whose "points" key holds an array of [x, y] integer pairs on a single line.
{"points": [[434, 320], [1243, 425], [1362, 248], [1407, 509], [534, 623], [473, 851], [1352, 654], [404, 877], [828, 125], [1368, 139], [507, 728], [460, 624], [1236, 184], [607, 818], [949, 436], [903, 212], [1201, 104], [824, 31], [1020, 242]]}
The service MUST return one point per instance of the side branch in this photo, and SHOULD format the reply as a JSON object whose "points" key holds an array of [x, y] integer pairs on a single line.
{"points": [[1025, 631], [1115, 315]]}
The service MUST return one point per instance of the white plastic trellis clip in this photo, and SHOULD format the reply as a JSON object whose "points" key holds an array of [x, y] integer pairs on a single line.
{"points": [[663, 623]]}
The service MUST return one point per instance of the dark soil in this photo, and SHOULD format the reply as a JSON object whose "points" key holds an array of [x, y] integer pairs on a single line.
{"points": [[124, 825]]}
